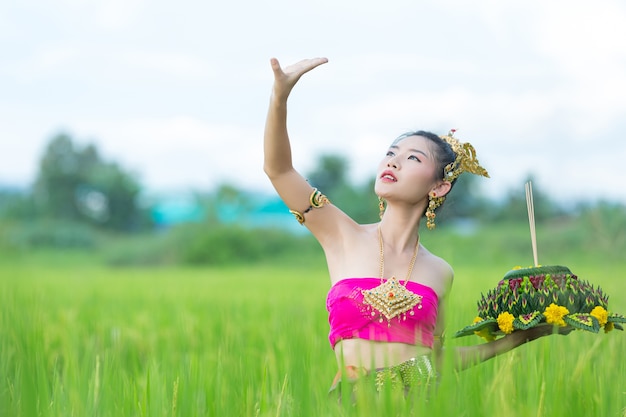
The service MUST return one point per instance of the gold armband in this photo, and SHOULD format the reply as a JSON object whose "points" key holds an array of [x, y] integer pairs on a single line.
{"points": [[316, 200]]}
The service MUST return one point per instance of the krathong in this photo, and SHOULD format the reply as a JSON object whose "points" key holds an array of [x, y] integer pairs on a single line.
{"points": [[541, 296]]}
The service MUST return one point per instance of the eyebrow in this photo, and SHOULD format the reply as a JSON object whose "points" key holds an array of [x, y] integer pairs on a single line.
{"points": [[411, 150]]}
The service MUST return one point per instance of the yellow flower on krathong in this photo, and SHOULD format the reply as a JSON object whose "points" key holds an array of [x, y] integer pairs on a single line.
{"points": [[608, 327], [484, 333], [601, 314], [505, 322], [554, 314]]}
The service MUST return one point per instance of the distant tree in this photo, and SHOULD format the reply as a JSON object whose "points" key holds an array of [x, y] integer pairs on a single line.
{"points": [[231, 202], [331, 177], [359, 202], [330, 174], [465, 200], [76, 184], [17, 205], [514, 208]]}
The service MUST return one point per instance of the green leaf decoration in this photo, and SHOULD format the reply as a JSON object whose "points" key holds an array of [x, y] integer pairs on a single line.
{"points": [[583, 321], [541, 270], [526, 321], [476, 327], [616, 318], [465, 331], [618, 326]]}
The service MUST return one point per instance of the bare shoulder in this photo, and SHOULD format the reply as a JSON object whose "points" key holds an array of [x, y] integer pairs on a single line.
{"points": [[436, 272]]}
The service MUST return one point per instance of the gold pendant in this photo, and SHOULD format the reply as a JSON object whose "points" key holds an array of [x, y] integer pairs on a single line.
{"points": [[391, 298]]}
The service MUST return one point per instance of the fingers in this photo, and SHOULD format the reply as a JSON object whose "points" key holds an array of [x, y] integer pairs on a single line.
{"points": [[276, 67], [274, 63], [298, 68], [285, 79], [306, 65], [315, 62]]}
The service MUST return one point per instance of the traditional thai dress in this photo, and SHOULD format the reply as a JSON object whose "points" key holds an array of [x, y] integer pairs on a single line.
{"points": [[350, 316]]}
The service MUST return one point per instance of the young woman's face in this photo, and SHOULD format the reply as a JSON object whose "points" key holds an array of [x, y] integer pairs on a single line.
{"points": [[407, 171]]}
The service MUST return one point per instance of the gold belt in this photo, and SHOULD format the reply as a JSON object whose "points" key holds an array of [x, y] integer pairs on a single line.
{"points": [[411, 373], [414, 372]]}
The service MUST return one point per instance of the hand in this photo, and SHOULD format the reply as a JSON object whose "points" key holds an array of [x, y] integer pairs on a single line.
{"points": [[285, 79]]}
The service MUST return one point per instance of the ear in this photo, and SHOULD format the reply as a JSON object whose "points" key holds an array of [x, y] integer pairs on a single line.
{"points": [[441, 189]]}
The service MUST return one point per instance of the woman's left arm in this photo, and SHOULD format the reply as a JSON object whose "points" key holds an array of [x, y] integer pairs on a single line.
{"points": [[466, 356]]}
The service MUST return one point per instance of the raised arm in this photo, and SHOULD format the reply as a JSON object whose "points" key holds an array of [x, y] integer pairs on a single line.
{"points": [[277, 149], [293, 189]]}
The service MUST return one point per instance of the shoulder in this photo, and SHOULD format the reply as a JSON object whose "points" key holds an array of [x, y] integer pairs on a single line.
{"points": [[436, 262], [440, 271]]}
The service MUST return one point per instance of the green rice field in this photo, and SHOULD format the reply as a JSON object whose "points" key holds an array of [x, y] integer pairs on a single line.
{"points": [[82, 339]]}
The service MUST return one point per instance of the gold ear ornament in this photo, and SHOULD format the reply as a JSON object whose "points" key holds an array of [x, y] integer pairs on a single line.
{"points": [[433, 203]]}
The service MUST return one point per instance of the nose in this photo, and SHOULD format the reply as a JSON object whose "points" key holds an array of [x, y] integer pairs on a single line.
{"points": [[392, 162]]}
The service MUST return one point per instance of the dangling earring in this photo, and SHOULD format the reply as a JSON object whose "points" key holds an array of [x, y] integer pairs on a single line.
{"points": [[381, 207], [433, 203]]}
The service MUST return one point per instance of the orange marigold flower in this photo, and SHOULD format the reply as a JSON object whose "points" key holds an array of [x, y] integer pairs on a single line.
{"points": [[505, 322], [554, 314]]}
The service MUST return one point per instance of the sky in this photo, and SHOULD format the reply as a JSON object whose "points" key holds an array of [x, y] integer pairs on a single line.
{"points": [[177, 92]]}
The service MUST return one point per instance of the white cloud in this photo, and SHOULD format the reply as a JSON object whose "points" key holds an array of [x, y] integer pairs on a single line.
{"points": [[115, 14], [168, 63], [41, 63], [178, 152], [582, 37], [109, 14], [180, 96]]}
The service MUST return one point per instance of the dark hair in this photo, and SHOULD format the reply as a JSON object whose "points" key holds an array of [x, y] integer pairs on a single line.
{"points": [[443, 152]]}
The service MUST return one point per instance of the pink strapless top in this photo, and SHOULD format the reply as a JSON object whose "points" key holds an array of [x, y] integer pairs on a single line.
{"points": [[349, 317]]}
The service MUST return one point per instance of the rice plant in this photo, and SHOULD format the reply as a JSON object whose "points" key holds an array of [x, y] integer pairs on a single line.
{"points": [[85, 340]]}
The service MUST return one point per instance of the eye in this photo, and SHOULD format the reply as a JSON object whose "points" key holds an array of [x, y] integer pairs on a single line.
{"points": [[415, 158], [389, 153]]}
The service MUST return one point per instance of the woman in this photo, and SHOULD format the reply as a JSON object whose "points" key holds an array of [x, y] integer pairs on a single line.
{"points": [[387, 291]]}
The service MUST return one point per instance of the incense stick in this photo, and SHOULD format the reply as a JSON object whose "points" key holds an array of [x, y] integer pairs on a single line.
{"points": [[531, 219]]}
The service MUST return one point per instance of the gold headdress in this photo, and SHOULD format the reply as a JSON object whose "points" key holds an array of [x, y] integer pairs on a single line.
{"points": [[465, 161]]}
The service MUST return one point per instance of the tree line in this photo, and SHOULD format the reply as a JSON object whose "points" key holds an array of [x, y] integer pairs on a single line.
{"points": [[77, 192]]}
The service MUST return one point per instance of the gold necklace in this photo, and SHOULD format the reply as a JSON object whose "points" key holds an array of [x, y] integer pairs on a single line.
{"points": [[392, 299]]}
